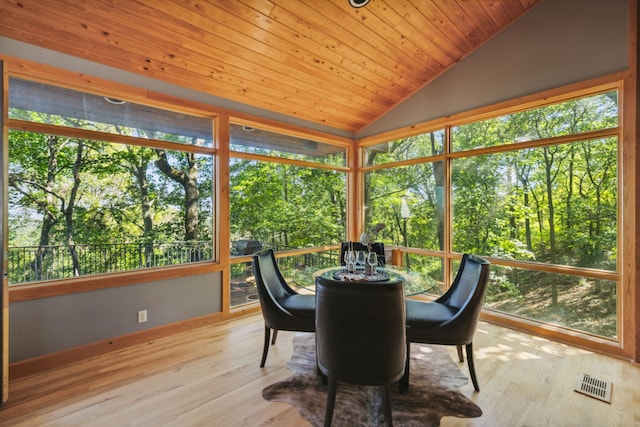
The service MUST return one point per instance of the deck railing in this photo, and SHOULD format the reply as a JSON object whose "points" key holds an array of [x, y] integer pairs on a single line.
{"points": [[28, 264], [35, 263]]}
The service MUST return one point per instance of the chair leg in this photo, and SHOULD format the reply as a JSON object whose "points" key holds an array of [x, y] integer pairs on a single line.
{"points": [[460, 356], [331, 400], [323, 377], [265, 350], [387, 404], [472, 369], [275, 335]]}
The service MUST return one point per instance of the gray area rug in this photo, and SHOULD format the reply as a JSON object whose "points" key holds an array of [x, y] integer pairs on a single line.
{"points": [[432, 392]]}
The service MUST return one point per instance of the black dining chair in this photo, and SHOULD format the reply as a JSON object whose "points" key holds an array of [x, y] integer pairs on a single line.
{"points": [[377, 247], [360, 336], [282, 307], [452, 319]]}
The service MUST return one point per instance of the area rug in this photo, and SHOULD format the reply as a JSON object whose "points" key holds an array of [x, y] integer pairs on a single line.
{"points": [[432, 392]]}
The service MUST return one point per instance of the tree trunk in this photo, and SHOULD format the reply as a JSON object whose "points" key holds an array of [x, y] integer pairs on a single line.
{"points": [[548, 162], [188, 181], [48, 217], [438, 177], [68, 211]]}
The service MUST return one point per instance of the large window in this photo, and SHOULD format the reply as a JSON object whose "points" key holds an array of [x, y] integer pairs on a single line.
{"points": [[286, 193], [286, 205], [84, 202], [537, 191], [404, 200]]}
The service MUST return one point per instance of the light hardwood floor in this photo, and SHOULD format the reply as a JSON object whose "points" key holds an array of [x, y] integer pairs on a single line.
{"points": [[210, 377]]}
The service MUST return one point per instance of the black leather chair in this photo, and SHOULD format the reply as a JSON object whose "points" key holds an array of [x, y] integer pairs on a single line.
{"points": [[360, 336], [282, 307], [377, 247], [452, 319]]}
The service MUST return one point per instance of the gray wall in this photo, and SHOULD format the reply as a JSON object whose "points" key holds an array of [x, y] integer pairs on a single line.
{"points": [[47, 325], [557, 43]]}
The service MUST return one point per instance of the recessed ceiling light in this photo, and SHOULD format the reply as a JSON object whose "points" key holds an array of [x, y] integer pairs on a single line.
{"points": [[358, 3], [114, 101]]}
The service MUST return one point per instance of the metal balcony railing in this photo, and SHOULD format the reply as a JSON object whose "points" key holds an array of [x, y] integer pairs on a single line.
{"points": [[36, 263]]}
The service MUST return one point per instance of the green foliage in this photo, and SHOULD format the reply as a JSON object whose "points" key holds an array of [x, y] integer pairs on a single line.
{"points": [[286, 205], [555, 204], [411, 147], [70, 192]]}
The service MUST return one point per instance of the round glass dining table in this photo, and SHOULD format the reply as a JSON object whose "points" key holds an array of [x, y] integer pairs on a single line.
{"points": [[413, 282]]}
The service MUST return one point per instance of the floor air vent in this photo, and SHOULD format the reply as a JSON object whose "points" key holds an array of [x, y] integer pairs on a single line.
{"points": [[594, 387]]}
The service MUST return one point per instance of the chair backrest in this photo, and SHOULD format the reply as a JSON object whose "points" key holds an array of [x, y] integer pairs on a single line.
{"points": [[361, 330], [467, 295], [471, 272], [268, 275], [274, 293], [377, 247], [271, 288]]}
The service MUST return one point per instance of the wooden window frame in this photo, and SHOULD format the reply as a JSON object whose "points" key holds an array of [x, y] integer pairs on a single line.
{"points": [[624, 345]]}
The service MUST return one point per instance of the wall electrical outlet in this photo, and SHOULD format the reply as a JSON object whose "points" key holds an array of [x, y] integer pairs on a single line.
{"points": [[142, 316]]}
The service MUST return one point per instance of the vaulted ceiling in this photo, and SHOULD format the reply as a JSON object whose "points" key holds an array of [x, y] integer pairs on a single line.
{"points": [[318, 60]]}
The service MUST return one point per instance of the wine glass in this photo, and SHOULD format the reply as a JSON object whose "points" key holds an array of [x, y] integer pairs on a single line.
{"points": [[348, 254], [361, 258], [372, 260], [350, 260]]}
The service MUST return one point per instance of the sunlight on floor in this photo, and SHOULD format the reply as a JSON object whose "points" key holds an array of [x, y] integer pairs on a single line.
{"points": [[519, 346]]}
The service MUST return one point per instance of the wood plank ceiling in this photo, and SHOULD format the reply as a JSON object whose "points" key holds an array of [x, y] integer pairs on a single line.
{"points": [[318, 60]]}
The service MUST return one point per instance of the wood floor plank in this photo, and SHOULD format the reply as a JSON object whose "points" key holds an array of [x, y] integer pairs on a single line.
{"points": [[211, 377]]}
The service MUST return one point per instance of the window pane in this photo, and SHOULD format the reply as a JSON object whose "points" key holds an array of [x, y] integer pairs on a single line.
{"points": [[581, 303], [247, 139], [555, 204], [283, 206], [298, 271], [40, 103], [425, 145], [426, 274], [405, 205], [567, 118], [80, 207]]}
